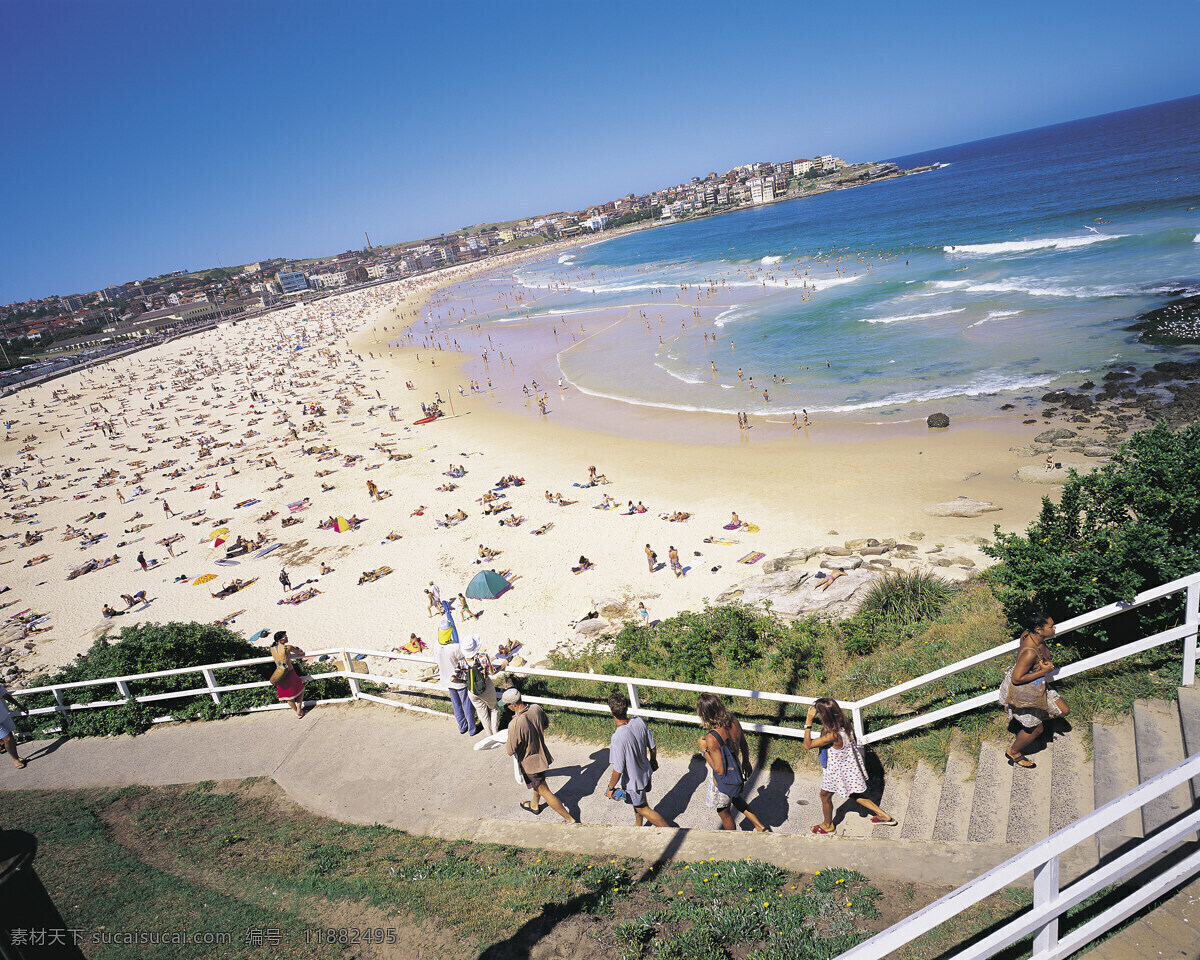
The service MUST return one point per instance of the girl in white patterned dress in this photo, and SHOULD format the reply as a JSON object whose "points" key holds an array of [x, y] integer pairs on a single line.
{"points": [[844, 773]]}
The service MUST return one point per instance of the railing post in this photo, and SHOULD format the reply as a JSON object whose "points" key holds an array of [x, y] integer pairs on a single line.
{"points": [[123, 687], [1192, 619], [211, 681], [58, 699], [856, 716], [634, 701], [1045, 889], [349, 667]]}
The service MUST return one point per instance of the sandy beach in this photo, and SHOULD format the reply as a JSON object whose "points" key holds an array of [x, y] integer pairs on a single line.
{"points": [[286, 419]]}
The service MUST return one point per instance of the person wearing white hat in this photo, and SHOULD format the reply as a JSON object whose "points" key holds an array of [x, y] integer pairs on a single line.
{"points": [[481, 690]]}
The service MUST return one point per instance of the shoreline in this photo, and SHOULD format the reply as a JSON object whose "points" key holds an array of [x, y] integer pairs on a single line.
{"points": [[834, 483]]}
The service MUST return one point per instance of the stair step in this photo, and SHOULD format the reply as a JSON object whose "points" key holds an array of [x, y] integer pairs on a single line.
{"points": [[991, 797], [1071, 791], [1029, 802], [1114, 772], [917, 823], [954, 806], [896, 791], [1189, 718], [1158, 735]]}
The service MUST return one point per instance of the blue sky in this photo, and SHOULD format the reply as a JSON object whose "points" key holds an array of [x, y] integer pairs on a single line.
{"points": [[148, 136]]}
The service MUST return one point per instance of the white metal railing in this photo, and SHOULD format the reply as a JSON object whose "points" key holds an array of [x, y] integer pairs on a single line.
{"points": [[1050, 902], [1187, 631]]}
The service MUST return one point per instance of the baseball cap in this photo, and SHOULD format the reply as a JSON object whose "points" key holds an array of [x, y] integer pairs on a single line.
{"points": [[511, 695]]}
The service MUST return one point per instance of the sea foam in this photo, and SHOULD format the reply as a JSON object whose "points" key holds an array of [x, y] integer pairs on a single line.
{"points": [[910, 316], [1024, 246]]}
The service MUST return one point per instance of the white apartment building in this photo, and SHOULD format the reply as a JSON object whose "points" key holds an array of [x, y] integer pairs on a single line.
{"points": [[801, 167], [762, 189]]}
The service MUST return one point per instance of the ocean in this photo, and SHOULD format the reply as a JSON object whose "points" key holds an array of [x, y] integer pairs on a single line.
{"points": [[1014, 268]]}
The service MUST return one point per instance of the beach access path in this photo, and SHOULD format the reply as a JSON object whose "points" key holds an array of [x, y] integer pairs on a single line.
{"points": [[361, 764]]}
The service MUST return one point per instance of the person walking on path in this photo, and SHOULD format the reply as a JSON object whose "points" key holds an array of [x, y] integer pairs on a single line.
{"points": [[481, 690], [289, 685], [527, 743], [1024, 693], [651, 558], [634, 757], [284, 580], [432, 608], [720, 747], [436, 593], [8, 731], [167, 509], [452, 668], [844, 773]]}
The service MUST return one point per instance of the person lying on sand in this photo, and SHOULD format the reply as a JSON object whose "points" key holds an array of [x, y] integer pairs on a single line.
{"points": [[513, 521]]}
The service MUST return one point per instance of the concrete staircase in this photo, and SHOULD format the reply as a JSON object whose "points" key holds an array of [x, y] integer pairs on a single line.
{"points": [[984, 800]]}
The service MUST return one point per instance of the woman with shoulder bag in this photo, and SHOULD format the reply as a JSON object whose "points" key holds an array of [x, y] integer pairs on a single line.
{"points": [[481, 689], [289, 685], [843, 772], [1023, 690], [721, 747]]}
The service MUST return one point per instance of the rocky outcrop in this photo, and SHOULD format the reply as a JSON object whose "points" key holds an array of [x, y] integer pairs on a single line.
{"points": [[1176, 323], [962, 507], [793, 594], [937, 420], [1054, 433]]}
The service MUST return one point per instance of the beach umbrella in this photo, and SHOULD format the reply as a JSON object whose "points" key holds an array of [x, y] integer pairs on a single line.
{"points": [[487, 585], [220, 532], [205, 578]]}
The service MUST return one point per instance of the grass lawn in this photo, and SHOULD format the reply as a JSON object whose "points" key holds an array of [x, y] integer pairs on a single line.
{"points": [[240, 859]]}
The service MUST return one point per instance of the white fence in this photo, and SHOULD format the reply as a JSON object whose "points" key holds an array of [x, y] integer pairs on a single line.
{"points": [[346, 657], [1050, 902]]}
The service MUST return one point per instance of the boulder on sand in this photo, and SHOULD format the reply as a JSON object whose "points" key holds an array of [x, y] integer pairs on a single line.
{"points": [[937, 420], [962, 507]]}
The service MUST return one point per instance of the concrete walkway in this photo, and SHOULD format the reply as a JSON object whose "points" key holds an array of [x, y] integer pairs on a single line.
{"points": [[363, 763]]}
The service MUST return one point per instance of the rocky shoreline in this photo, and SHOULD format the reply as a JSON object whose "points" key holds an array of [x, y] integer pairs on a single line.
{"points": [[1176, 323]]}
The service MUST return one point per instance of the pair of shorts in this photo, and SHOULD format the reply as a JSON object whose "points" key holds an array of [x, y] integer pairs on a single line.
{"points": [[534, 780], [7, 728]]}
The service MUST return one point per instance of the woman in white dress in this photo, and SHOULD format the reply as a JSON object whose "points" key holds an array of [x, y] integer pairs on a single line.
{"points": [[844, 773]]}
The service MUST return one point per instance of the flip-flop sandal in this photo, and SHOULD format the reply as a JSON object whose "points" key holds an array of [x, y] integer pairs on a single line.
{"points": [[890, 822], [526, 805], [821, 831], [1022, 761], [19, 764]]}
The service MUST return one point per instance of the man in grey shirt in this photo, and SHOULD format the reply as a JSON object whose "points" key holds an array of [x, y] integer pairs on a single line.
{"points": [[634, 756]]}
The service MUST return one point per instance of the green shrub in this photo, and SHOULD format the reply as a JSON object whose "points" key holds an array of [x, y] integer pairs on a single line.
{"points": [[148, 648], [1125, 528], [907, 597]]}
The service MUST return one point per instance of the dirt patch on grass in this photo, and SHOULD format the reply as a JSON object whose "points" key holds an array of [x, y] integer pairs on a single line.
{"points": [[362, 923], [399, 897]]}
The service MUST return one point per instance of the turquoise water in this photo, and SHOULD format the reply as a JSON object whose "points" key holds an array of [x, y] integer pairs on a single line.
{"points": [[1015, 267]]}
